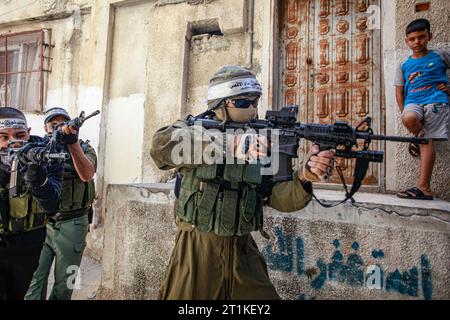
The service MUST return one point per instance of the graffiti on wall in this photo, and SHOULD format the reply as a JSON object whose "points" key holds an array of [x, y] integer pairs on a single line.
{"points": [[289, 257]]}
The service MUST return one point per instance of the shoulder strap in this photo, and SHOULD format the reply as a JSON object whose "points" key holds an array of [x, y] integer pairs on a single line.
{"points": [[360, 172], [179, 176], [3, 209]]}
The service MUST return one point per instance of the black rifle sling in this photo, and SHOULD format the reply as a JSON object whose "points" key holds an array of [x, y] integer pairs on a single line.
{"points": [[360, 172], [4, 213], [177, 188]]}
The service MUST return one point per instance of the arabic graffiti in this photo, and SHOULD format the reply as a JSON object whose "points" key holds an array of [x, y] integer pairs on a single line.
{"points": [[353, 271]]}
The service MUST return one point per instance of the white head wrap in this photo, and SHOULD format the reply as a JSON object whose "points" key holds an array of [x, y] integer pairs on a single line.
{"points": [[13, 123], [234, 87]]}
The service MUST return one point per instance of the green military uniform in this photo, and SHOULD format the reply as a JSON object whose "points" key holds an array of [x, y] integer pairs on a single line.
{"points": [[66, 234], [215, 256], [22, 227]]}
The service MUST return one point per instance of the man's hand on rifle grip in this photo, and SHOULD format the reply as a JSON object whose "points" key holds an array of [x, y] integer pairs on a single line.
{"points": [[318, 164], [250, 147], [70, 135], [35, 176]]}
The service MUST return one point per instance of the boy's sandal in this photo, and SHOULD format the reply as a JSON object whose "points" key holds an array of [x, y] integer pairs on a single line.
{"points": [[414, 193], [414, 149]]}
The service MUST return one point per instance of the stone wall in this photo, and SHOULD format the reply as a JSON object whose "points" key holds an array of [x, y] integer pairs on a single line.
{"points": [[139, 235]]}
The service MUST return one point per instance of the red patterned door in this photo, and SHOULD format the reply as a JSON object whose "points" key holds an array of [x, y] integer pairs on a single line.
{"points": [[331, 65]]}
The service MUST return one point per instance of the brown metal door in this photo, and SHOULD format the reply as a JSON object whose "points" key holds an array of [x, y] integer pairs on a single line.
{"points": [[331, 66]]}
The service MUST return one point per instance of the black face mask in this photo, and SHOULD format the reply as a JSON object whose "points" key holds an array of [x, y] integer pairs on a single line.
{"points": [[6, 160]]}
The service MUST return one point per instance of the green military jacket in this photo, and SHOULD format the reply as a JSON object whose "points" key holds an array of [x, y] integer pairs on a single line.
{"points": [[77, 196], [224, 199]]}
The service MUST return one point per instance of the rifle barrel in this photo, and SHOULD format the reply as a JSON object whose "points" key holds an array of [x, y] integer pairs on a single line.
{"points": [[59, 156], [93, 114], [392, 138]]}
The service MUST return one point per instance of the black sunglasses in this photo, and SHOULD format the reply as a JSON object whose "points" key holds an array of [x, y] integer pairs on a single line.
{"points": [[245, 103]]}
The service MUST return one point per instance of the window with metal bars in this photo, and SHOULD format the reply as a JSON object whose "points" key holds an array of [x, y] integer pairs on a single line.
{"points": [[24, 61]]}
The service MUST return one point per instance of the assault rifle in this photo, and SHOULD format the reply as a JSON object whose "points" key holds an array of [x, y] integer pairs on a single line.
{"points": [[39, 153], [31, 153], [75, 123], [339, 136]]}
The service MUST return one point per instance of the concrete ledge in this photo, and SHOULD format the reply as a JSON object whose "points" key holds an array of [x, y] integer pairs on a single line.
{"points": [[332, 196], [151, 187], [388, 200]]}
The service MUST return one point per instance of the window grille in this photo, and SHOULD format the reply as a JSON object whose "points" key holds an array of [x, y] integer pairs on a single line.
{"points": [[24, 63]]}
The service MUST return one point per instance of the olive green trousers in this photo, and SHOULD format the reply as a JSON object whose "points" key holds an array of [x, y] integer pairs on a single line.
{"points": [[204, 266], [65, 243]]}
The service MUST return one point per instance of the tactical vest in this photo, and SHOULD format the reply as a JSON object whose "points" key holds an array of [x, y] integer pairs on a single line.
{"points": [[76, 196], [223, 199], [23, 213]]}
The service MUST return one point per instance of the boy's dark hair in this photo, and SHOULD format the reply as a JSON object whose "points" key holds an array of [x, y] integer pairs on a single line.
{"points": [[7, 112], [418, 25]]}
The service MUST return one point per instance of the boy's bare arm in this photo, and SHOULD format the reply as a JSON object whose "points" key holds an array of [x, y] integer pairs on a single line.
{"points": [[400, 96]]}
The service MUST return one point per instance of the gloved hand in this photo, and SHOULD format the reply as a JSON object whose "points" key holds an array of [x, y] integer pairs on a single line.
{"points": [[318, 164], [70, 135], [250, 147], [35, 176]]}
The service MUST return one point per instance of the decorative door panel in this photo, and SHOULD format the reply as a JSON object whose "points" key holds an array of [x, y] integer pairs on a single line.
{"points": [[336, 74], [294, 41]]}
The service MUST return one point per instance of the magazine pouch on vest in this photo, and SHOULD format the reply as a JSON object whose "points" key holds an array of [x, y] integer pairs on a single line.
{"points": [[23, 213], [223, 199]]}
